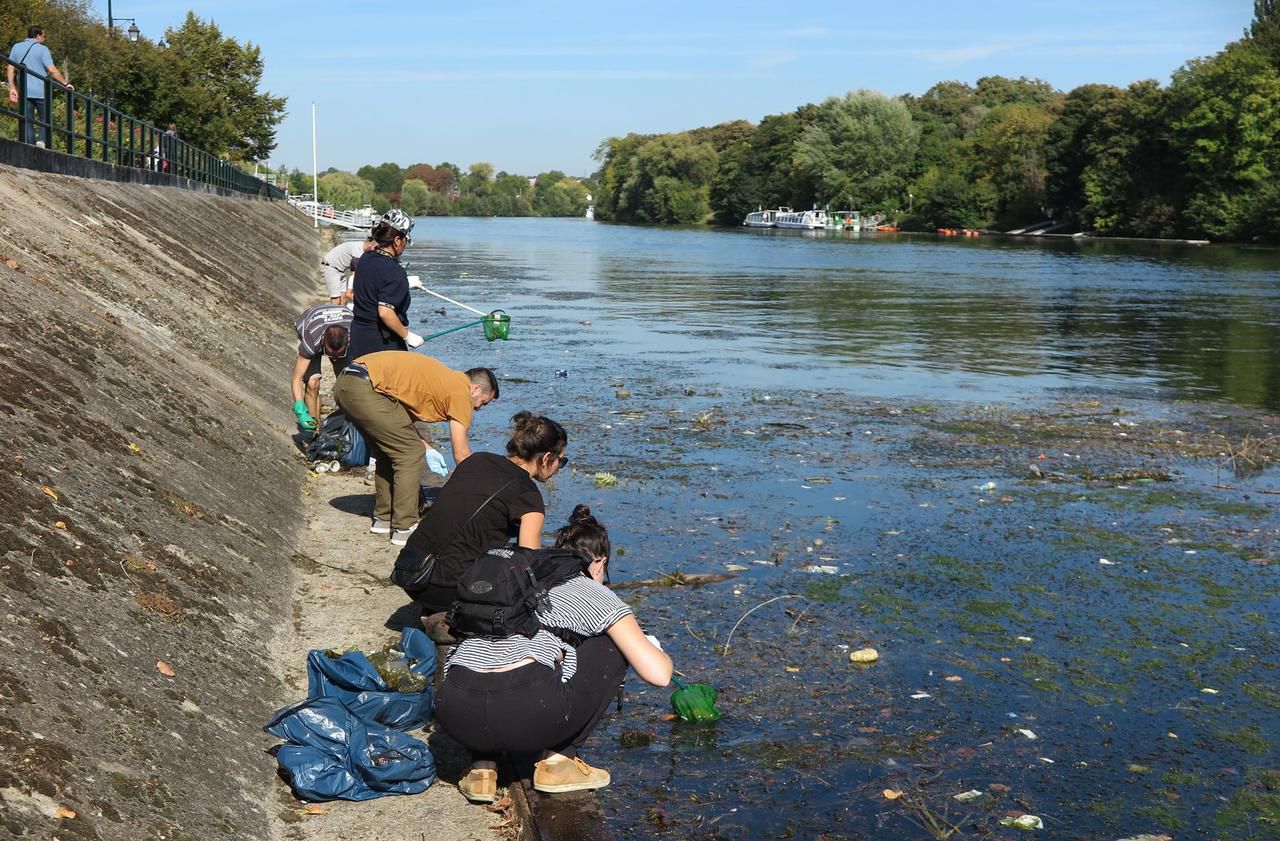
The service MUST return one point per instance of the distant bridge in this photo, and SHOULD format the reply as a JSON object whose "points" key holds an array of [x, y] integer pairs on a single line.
{"points": [[352, 220]]}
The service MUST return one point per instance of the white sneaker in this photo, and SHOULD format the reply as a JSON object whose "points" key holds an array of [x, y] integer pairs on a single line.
{"points": [[39, 144], [399, 537], [380, 526]]}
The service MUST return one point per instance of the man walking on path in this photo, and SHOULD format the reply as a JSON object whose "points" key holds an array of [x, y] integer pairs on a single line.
{"points": [[340, 260], [36, 58], [323, 330], [384, 393]]}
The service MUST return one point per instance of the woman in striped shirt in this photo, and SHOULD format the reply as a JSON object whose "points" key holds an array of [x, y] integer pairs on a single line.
{"points": [[539, 694]]}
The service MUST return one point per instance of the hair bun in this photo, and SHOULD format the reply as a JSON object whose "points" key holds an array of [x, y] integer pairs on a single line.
{"points": [[581, 514]]}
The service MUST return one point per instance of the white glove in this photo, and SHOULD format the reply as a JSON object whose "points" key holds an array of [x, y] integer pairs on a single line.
{"points": [[436, 462], [651, 638], [412, 339], [414, 282]]}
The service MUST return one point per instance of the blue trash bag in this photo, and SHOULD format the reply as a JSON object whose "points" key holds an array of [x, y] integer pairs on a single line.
{"points": [[330, 754], [355, 681]]}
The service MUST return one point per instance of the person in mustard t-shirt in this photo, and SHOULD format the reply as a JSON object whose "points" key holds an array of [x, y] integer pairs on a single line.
{"points": [[384, 393]]}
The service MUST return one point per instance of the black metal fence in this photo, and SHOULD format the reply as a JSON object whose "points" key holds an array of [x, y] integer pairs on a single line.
{"points": [[78, 124]]}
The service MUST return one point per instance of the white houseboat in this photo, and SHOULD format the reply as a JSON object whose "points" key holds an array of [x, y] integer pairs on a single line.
{"points": [[762, 218], [803, 219]]}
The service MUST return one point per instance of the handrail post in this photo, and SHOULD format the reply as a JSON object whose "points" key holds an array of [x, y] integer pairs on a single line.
{"points": [[70, 136]]}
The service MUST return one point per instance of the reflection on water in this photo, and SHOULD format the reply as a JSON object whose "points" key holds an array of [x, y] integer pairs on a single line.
{"points": [[883, 315]]}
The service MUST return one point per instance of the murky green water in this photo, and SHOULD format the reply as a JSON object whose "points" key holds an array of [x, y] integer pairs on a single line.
{"points": [[999, 465]]}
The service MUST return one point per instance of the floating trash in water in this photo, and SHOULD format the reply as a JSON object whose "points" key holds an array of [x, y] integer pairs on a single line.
{"points": [[736, 567], [986, 486], [1106, 563], [1023, 822], [966, 796], [920, 696], [864, 655], [891, 794], [1028, 733], [1207, 691], [823, 568], [562, 373], [605, 480]]}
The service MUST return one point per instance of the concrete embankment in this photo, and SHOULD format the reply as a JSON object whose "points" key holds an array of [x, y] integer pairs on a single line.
{"points": [[148, 506]]}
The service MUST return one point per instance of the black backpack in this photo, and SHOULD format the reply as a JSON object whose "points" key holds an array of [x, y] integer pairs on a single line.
{"points": [[499, 591]]}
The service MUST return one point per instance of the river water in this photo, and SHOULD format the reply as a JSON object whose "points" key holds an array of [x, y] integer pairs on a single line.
{"points": [[892, 316], [1001, 464]]}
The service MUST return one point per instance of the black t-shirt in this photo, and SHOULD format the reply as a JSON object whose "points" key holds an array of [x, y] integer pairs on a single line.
{"points": [[379, 280], [446, 532]]}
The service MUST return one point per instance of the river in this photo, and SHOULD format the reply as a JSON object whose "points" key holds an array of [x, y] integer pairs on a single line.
{"points": [[1035, 476], [892, 316]]}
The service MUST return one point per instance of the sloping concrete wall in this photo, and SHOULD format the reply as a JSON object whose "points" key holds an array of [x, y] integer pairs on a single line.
{"points": [[149, 495]]}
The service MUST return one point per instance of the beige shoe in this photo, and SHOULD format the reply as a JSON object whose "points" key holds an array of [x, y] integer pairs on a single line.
{"points": [[567, 775], [480, 785]]}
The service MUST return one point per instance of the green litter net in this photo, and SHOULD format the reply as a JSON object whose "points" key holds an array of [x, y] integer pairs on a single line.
{"points": [[497, 325], [695, 702]]}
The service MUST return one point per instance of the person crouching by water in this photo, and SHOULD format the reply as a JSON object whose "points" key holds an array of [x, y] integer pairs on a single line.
{"points": [[540, 695], [488, 500], [380, 311]]}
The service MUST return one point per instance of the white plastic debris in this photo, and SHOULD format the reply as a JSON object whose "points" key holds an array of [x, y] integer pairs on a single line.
{"points": [[823, 568], [920, 695], [1028, 733], [1106, 563], [966, 796], [1023, 822], [1207, 691]]}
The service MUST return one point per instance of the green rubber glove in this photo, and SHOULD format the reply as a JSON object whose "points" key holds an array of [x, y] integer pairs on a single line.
{"points": [[304, 417]]}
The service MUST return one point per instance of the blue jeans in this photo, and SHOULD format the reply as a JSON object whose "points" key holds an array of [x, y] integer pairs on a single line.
{"points": [[34, 104]]}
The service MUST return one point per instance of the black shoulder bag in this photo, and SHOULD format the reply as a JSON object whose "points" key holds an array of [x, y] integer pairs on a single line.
{"points": [[413, 573]]}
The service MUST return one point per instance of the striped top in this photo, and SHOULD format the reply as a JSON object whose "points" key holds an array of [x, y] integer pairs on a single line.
{"points": [[580, 604]]}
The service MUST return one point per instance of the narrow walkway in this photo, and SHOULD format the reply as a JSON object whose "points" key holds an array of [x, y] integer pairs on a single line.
{"points": [[343, 600]]}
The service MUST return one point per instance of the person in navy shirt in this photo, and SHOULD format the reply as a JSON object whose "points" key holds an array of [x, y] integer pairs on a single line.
{"points": [[380, 315]]}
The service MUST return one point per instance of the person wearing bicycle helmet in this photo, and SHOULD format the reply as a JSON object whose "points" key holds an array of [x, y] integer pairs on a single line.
{"points": [[380, 315]]}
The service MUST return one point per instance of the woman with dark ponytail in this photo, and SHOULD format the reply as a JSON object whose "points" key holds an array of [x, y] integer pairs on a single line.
{"points": [[540, 695], [488, 500]]}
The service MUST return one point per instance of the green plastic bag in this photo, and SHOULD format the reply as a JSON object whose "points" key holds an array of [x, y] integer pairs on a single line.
{"points": [[695, 702]]}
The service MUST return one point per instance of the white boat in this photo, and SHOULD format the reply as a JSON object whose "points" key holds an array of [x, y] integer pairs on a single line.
{"points": [[762, 218], [591, 212], [803, 219]]}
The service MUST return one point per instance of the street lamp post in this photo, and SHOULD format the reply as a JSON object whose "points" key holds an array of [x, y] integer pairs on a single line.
{"points": [[132, 32]]}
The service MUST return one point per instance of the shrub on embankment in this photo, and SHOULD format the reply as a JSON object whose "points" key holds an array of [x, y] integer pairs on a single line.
{"points": [[147, 504]]}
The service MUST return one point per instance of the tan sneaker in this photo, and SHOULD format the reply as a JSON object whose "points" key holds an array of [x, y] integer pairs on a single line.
{"points": [[480, 785], [567, 775]]}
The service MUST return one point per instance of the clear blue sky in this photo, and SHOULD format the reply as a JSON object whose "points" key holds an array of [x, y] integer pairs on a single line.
{"points": [[534, 85]]}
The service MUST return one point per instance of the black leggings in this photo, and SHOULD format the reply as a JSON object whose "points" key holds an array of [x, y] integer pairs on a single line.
{"points": [[529, 709]]}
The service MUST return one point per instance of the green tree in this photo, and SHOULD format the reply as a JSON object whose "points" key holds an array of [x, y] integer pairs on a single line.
{"points": [[386, 178], [859, 150], [1066, 149], [1226, 124], [1264, 31], [380, 203], [1009, 148], [1132, 178], [414, 197], [216, 100], [344, 190], [555, 194]]}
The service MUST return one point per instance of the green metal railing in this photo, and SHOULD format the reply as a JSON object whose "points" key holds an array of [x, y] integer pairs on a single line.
{"points": [[81, 125]]}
